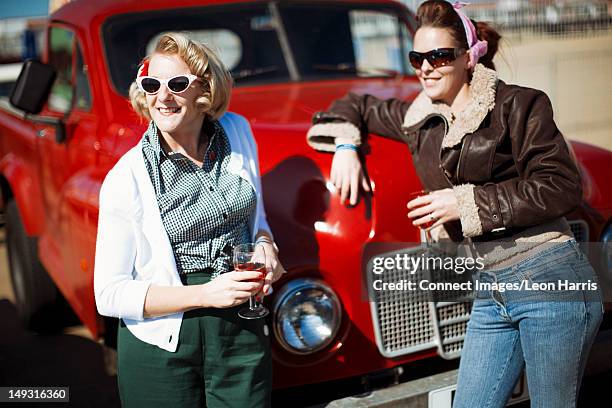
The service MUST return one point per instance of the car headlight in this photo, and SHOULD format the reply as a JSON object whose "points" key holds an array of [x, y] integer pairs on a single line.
{"points": [[606, 253], [307, 316]]}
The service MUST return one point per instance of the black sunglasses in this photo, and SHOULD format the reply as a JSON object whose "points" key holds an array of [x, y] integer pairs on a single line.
{"points": [[437, 58]]}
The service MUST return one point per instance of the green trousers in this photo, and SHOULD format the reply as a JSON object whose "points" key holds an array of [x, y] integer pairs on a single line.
{"points": [[222, 360]]}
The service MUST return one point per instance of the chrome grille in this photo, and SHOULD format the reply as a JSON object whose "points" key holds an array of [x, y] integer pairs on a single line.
{"points": [[451, 312], [402, 319], [409, 321], [451, 316], [452, 322], [399, 337], [580, 229], [406, 322]]}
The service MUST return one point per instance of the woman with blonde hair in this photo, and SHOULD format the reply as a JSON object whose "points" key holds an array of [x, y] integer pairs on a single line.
{"points": [[171, 211]]}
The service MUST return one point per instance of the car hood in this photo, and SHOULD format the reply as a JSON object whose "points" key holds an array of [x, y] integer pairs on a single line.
{"points": [[292, 105], [286, 108]]}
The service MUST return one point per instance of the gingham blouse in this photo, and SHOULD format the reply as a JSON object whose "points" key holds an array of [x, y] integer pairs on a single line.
{"points": [[205, 210]]}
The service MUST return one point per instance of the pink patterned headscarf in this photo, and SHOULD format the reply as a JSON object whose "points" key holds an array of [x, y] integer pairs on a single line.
{"points": [[477, 48]]}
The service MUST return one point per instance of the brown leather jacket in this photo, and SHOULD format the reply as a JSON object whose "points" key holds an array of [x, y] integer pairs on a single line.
{"points": [[510, 167]]}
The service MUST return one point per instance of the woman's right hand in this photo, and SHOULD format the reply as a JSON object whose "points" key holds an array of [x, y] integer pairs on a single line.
{"points": [[347, 175], [231, 288]]}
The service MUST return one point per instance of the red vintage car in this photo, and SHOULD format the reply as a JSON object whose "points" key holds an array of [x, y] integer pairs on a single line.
{"points": [[289, 60]]}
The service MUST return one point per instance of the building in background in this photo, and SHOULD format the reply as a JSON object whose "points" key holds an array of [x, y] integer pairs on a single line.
{"points": [[21, 34], [540, 16], [55, 4]]}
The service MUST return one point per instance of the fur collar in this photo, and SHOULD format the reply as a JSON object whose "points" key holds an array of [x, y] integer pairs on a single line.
{"points": [[482, 101]]}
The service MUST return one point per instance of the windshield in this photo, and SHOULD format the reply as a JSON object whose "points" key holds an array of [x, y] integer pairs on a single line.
{"points": [[271, 42]]}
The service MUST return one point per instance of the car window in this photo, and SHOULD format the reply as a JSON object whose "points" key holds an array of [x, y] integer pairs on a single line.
{"points": [[224, 42], [407, 44], [246, 40], [82, 92], [376, 38], [60, 57], [337, 40], [270, 42]]}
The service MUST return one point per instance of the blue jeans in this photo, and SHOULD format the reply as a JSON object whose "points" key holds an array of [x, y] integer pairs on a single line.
{"points": [[547, 333]]}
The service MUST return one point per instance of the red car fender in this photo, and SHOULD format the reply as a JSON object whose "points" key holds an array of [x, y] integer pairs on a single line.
{"points": [[594, 164], [23, 182]]}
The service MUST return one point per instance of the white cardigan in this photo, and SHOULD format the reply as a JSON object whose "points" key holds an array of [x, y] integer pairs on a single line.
{"points": [[133, 249]]}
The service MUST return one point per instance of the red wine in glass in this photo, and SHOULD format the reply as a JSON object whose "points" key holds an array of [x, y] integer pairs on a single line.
{"points": [[252, 266], [251, 257]]}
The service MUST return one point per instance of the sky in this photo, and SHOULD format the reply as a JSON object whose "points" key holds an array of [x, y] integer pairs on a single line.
{"points": [[23, 8]]}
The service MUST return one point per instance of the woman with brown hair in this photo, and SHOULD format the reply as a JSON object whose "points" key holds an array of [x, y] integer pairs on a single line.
{"points": [[501, 178]]}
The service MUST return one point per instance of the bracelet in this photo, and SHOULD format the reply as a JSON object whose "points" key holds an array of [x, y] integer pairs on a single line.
{"points": [[266, 240], [347, 146], [263, 240]]}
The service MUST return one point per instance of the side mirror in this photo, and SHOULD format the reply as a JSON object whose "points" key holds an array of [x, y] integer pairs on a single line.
{"points": [[33, 86], [31, 92]]}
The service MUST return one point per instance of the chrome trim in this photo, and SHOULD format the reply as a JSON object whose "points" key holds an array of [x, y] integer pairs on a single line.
{"points": [[283, 39]]}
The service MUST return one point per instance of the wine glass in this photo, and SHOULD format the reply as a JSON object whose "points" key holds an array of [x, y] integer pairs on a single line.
{"points": [[425, 228], [251, 257]]}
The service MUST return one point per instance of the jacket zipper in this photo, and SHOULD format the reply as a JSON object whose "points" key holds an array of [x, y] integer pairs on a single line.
{"points": [[461, 153], [464, 142], [446, 126]]}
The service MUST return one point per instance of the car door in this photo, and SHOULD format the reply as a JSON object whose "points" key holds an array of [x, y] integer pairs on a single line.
{"points": [[67, 155]]}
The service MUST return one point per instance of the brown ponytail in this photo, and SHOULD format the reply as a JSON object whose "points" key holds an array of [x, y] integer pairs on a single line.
{"points": [[485, 32], [441, 14]]}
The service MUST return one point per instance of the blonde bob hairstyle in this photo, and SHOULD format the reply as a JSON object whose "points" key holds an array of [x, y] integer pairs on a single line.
{"points": [[214, 77]]}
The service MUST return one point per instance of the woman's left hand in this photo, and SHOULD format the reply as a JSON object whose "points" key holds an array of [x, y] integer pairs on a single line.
{"points": [[439, 206], [273, 267]]}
